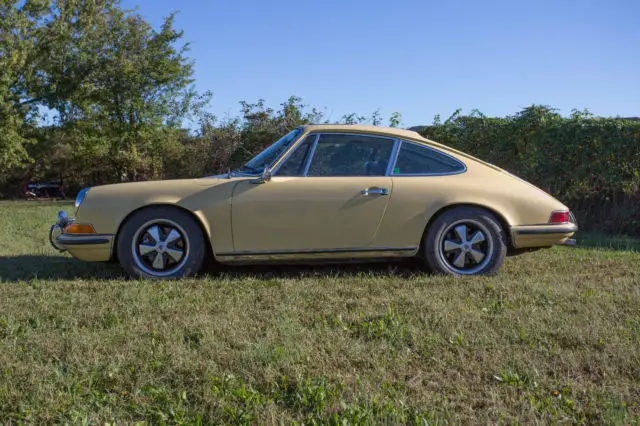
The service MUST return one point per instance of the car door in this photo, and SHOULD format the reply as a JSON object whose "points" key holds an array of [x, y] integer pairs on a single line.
{"points": [[424, 180], [329, 195]]}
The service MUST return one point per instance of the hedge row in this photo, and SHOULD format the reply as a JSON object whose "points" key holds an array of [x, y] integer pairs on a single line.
{"points": [[590, 163]]}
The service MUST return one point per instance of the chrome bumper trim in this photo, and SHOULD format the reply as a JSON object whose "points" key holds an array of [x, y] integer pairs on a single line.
{"points": [[549, 229], [81, 240], [314, 252], [59, 240], [54, 233], [57, 228]]}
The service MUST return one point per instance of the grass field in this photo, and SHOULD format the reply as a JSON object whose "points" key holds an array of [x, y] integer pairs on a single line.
{"points": [[555, 337]]}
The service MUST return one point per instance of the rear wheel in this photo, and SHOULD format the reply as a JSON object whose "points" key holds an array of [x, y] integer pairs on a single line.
{"points": [[161, 243], [465, 241]]}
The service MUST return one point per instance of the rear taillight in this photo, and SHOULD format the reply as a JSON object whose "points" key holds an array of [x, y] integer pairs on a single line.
{"points": [[560, 216]]}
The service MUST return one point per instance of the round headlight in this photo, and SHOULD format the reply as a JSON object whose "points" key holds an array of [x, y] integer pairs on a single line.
{"points": [[80, 197]]}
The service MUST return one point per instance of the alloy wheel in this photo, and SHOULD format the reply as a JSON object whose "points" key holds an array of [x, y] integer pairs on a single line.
{"points": [[160, 247], [466, 247]]}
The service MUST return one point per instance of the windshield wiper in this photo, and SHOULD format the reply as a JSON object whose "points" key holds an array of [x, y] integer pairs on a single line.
{"points": [[245, 170], [250, 169]]}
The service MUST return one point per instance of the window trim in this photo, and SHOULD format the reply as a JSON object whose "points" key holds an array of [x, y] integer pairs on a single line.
{"points": [[462, 170], [393, 158], [366, 135], [279, 159], [285, 155], [312, 152], [394, 149], [292, 150]]}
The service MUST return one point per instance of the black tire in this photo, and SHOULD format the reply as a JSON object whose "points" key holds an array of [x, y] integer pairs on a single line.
{"points": [[442, 236], [191, 242]]}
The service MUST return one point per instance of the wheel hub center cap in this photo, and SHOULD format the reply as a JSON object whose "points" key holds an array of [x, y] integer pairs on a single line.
{"points": [[162, 247]]}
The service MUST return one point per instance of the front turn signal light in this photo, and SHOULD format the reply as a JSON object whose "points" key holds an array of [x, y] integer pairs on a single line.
{"points": [[78, 228]]}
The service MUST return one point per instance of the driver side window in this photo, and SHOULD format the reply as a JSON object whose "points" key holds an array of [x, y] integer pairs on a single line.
{"points": [[350, 155]]}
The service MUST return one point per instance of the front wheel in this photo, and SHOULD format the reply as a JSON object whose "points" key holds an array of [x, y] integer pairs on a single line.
{"points": [[465, 241], [161, 243]]}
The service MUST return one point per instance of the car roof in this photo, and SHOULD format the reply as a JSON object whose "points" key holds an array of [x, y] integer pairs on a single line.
{"points": [[394, 133], [359, 128]]}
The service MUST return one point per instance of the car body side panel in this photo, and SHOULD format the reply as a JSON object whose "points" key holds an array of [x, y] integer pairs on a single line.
{"points": [[213, 206], [416, 199], [306, 213], [92, 252], [209, 199]]}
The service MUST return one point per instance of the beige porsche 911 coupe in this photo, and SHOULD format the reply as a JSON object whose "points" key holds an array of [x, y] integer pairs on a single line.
{"points": [[327, 193]]}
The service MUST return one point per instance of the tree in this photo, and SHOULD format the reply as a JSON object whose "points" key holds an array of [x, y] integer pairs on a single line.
{"points": [[395, 119], [110, 80], [19, 33], [122, 81]]}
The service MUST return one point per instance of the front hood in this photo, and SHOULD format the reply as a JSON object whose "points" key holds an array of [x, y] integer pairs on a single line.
{"points": [[159, 191], [107, 206], [169, 185]]}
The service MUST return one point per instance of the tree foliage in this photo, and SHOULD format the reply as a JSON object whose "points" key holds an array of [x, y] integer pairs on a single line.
{"points": [[117, 90], [19, 48]]}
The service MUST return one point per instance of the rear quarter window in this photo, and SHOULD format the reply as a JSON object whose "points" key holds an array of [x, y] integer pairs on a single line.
{"points": [[414, 159]]}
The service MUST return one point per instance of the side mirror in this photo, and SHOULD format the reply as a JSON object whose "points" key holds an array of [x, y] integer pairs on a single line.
{"points": [[264, 178]]}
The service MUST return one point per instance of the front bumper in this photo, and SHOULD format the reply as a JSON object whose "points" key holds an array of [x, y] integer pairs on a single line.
{"points": [[88, 247]]}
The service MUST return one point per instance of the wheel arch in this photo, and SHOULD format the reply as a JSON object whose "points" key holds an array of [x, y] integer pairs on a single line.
{"points": [[504, 223], [202, 224]]}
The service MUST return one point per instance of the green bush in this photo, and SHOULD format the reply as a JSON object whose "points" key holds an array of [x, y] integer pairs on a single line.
{"points": [[590, 163]]}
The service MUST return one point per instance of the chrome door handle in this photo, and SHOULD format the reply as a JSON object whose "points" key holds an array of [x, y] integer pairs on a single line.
{"points": [[376, 191]]}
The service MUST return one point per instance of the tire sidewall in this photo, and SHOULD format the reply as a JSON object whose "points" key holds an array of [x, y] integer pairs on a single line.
{"points": [[439, 226], [196, 242]]}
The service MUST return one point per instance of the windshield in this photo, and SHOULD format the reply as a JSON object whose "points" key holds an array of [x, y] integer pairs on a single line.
{"points": [[271, 154]]}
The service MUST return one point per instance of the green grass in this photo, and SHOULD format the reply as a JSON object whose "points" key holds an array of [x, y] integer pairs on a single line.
{"points": [[610, 242], [555, 337]]}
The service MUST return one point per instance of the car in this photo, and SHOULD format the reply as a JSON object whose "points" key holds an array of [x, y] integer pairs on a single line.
{"points": [[35, 190], [329, 193]]}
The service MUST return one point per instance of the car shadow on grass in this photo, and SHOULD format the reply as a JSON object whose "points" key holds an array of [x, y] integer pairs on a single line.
{"points": [[397, 268], [42, 267]]}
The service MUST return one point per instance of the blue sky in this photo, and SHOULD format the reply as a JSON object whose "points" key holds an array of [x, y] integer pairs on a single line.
{"points": [[420, 58]]}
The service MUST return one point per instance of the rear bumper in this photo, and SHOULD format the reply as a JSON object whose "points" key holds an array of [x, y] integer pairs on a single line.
{"points": [[87, 247], [543, 235]]}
